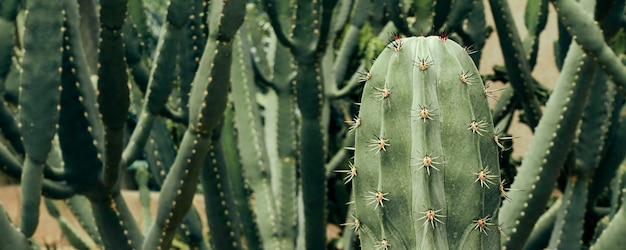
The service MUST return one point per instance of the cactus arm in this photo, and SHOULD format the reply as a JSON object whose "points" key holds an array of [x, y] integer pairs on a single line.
{"points": [[458, 12], [610, 13], [279, 16], [356, 80], [137, 64], [516, 63], [116, 224], [160, 156], [9, 128], [553, 138], [350, 40], [207, 104], [8, 12], [535, 19], [568, 230], [612, 236], [340, 157], [240, 193], [160, 151], [586, 33], [177, 191], [441, 12], [73, 236], [191, 48], [139, 20], [12, 238], [161, 79], [113, 92], [568, 227], [39, 100], [253, 154], [193, 232], [398, 16], [11, 166], [540, 236], [424, 16], [478, 31], [80, 208], [613, 157], [218, 198], [505, 104]]}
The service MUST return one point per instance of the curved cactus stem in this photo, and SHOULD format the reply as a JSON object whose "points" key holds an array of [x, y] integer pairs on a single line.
{"points": [[9, 128], [137, 63], [568, 226], [540, 168], [79, 206], [358, 79], [477, 32], [113, 93], [350, 39], [238, 183], [161, 80], [116, 225], [612, 159], [517, 65], [218, 197], [8, 12], [583, 29], [12, 238], [612, 236], [540, 235], [251, 145], [73, 236], [505, 105], [535, 19], [568, 231], [39, 100], [207, 104]]}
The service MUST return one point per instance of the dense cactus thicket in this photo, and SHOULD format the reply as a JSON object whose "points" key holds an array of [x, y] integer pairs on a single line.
{"points": [[297, 118]]}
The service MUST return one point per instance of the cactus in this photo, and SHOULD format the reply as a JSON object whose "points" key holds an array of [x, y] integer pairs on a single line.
{"points": [[427, 165], [272, 150]]}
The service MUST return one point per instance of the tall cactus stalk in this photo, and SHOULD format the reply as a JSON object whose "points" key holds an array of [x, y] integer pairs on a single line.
{"points": [[426, 163]]}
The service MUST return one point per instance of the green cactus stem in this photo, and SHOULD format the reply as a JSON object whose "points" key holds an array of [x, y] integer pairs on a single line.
{"points": [[427, 165], [39, 100]]}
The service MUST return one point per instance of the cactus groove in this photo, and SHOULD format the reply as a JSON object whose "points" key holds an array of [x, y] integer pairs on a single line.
{"points": [[426, 159]]}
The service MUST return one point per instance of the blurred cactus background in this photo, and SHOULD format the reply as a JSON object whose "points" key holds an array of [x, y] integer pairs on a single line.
{"points": [[313, 124]]}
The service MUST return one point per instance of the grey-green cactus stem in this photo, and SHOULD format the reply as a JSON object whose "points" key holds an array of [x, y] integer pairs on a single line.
{"points": [[80, 208], [585, 32], [40, 89], [207, 104], [162, 77], [540, 236], [535, 19], [517, 64], [408, 135], [539, 170], [73, 236], [12, 238], [254, 158], [116, 224], [613, 236], [113, 93], [247, 221], [219, 203], [8, 12]]}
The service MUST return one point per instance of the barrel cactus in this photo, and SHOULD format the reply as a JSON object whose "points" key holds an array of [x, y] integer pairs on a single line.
{"points": [[425, 172]]}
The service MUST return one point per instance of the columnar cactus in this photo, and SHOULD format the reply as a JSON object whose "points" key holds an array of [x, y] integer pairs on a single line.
{"points": [[426, 173]]}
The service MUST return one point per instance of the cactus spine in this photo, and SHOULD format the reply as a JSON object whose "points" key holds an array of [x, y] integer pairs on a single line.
{"points": [[426, 162]]}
